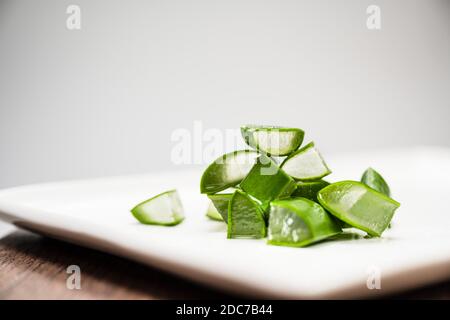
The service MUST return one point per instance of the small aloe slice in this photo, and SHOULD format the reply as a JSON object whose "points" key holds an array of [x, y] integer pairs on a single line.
{"points": [[212, 212], [227, 171], [299, 222], [277, 141], [309, 189], [374, 180], [306, 164], [267, 182], [245, 217], [220, 202], [163, 209], [359, 206]]}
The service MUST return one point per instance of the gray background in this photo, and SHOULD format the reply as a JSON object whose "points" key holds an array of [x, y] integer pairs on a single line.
{"points": [[104, 100]]}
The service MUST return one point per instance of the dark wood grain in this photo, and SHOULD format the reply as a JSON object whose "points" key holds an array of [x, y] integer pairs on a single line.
{"points": [[34, 267]]}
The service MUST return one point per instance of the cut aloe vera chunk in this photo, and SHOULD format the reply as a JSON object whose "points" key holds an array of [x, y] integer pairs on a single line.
{"points": [[309, 189], [359, 206], [306, 164], [374, 180], [227, 171], [277, 141], [267, 182], [212, 212], [220, 202], [164, 209], [299, 222], [245, 217]]}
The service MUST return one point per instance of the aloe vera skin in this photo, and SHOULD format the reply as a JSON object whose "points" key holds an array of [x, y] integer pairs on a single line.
{"points": [[221, 202], [359, 206], [141, 211], [374, 180], [309, 189], [245, 218], [299, 222], [302, 159], [287, 139], [227, 171], [267, 182]]}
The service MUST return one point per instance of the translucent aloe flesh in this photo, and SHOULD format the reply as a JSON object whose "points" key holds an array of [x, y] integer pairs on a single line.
{"points": [[306, 164], [212, 212], [227, 171], [163, 209], [299, 222], [277, 141], [359, 206]]}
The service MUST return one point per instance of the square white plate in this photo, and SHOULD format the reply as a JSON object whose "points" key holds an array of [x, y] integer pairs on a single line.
{"points": [[415, 251]]}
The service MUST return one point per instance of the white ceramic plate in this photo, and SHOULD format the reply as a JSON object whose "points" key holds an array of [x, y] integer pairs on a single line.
{"points": [[416, 251]]}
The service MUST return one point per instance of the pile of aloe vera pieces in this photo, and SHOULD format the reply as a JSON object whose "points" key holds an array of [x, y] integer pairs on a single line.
{"points": [[276, 190]]}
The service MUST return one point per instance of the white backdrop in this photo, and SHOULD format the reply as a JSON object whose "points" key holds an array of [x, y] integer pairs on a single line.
{"points": [[105, 99]]}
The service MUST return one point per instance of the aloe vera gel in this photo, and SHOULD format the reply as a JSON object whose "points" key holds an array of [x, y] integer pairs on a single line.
{"points": [[290, 203], [299, 222], [164, 209]]}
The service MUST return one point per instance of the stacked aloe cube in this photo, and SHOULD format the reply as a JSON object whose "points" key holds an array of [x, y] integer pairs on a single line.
{"points": [[275, 190]]}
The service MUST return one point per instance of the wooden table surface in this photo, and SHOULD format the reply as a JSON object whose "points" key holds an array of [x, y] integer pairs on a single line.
{"points": [[34, 267]]}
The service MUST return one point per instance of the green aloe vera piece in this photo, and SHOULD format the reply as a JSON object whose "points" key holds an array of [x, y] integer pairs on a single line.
{"points": [[359, 206], [273, 140], [245, 217], [299, 222], [163, 209], [309, 189], [212, 213], [221, 202], [267, 182], [306, 164], [374, 180], [227, 171]]}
